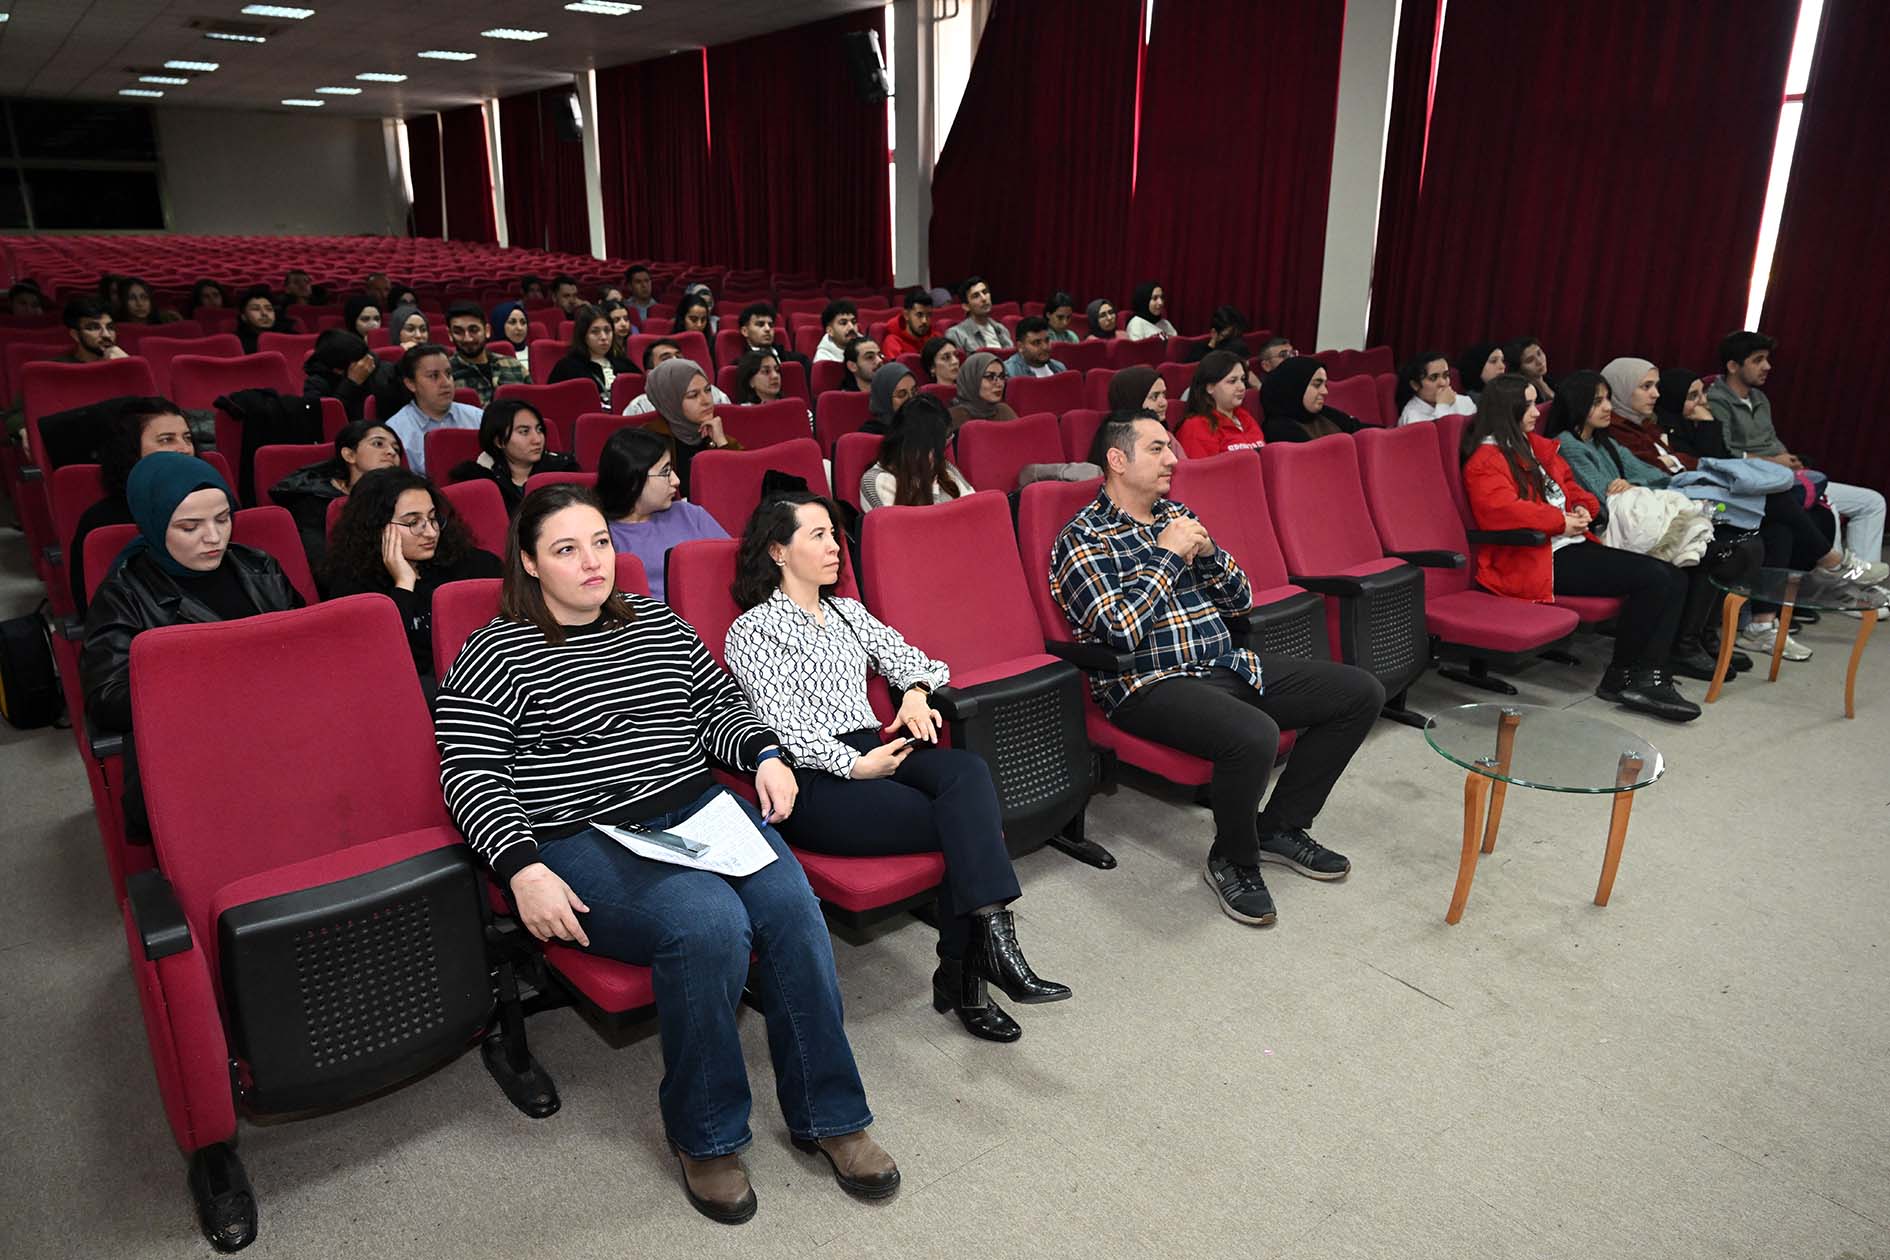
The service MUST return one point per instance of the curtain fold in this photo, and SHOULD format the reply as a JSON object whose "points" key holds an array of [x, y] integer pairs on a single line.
{"points": [[653, 148], [463, 153], [1032, 188], [525, 178], [544, 174], [1599, 186], [423, 165], [1404, 144], [1832, 373], [1234, 168]]}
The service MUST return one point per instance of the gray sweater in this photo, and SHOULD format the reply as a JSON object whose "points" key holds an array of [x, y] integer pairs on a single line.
{"points": [[1747, 421]]}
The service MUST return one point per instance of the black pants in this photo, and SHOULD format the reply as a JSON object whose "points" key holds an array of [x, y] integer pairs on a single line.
{"points": [[1793, 536], [1653, 593], [939, 800], [1219, 717], [1733, 555]]}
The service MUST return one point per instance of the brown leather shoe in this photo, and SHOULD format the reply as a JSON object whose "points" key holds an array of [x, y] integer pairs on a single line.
{"points": [[718, 1188], [860, 1164]]}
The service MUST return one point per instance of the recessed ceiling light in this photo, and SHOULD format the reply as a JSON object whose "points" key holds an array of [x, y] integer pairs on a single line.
{"points": [[511, 32], [138, 92], [5, 16], [441, 54], [278, 10], [205, 66], [235, 38], [609, 8], [334, 91], [173, 80], [305, 104], [380, 78]]}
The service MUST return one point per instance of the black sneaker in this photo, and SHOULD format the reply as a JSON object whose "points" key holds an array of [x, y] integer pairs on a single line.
{"points": [[1243, 894], [1304, 854]]}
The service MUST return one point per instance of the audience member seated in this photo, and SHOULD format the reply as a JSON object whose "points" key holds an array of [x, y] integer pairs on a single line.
{"points": [[24, 298], [361, 315], [133, 428], [529, 806], [639, 490], [622, 327], [685, 402], [760, 331], [1479, 365], [427, 375], [1138, 388], [589, 356], [1742, 407], [1150, 309], [1424, 391], [981, 391], [1294, 399], [1273, 352], [655, 354], [380, 288], [1215, 420], [1516, 479], [1137, 572], [409, 326], [894, 386], [802, 655], [694, 315], [205, 295], [941, 362], [181, 568], [1227, 330], [1032, 357], [841, 322], [862, 359], [342, 367], [298, 288], [908, 333], [564, 295], [1102, 319], [93, 331], [136, 304], [399, 536], [256, 315], [757, 380], [511, 449], [912, 469], [1059, 310], [977, 330], [639, 293], [360, 448], [476, 366], [1526, 356]]}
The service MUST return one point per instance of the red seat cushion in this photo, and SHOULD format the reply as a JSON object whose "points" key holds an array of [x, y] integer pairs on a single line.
{"points": [[614, 987], [1170, 763], [867, 883], [1494, 622], [1591, 608]]}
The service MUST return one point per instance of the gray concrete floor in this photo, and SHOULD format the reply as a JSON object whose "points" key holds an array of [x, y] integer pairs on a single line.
{"points": [[1697, 1070]]}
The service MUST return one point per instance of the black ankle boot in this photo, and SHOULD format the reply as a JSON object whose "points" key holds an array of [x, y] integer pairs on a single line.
{"points": [[957, 988], [993, 954]]}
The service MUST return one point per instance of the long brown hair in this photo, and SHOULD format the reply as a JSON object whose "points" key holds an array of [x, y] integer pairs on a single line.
{"points": [[1499, 416], [914, 452], [520, 597], [1214, 366]]}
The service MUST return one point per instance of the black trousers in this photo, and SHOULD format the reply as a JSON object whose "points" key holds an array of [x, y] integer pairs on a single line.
{"points": [[1653, 592], [1734, 555], [1219, 717], [939, 800]]}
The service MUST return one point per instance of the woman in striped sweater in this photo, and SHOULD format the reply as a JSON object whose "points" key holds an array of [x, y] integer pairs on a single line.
{"points": [[578, 706]]}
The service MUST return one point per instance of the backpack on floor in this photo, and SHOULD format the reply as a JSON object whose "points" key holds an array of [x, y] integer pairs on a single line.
{"points": [[29, 683]]}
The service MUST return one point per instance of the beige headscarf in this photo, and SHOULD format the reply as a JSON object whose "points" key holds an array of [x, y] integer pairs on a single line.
{"points": [[665, 387], [1624, 376]]}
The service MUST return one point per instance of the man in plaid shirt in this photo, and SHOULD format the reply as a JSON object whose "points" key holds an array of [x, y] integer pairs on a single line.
{"points": [[1135, 571]]}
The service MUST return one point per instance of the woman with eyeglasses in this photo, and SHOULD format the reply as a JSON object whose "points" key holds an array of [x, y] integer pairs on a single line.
{"points": [[638, 485], [399, 536], [981, 390]]}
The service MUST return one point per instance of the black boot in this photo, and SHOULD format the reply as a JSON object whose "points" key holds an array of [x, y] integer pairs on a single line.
{"points": [[1652, 692], [956, 987], [993, 954], [1689, 660]]}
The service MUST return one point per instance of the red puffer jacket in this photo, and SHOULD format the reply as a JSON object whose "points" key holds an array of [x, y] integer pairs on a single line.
{"points": [[1523, 572]]}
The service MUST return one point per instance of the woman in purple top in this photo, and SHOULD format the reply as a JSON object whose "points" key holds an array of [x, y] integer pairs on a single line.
{"points": [[637, 484]]}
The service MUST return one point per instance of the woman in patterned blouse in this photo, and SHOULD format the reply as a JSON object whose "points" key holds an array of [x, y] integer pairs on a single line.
{"points": [[802, 656]]}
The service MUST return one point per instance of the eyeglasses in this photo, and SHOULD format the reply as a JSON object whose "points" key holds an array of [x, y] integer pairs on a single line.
{"points": [[428, 524], [664, 473], [994, 376]]}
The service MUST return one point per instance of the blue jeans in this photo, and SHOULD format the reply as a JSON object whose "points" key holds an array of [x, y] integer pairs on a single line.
{"points": [[696, 931]]}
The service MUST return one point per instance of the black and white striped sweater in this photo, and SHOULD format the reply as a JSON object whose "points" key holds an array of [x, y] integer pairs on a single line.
{"points": [[615, 724]]}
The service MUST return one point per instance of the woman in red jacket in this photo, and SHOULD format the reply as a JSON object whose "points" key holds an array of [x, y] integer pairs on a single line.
{"points": [[1215, 421], [1518, 481]]}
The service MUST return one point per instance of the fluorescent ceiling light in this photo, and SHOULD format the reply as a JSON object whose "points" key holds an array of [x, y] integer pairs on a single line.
{"points": [[441, 54], [512, 32], [609, 8], [5, 16], [278, 10], [334, 91], [235, 38], [305, 104], [205, 66], [380, 78], [173, 80], [138, 92]]}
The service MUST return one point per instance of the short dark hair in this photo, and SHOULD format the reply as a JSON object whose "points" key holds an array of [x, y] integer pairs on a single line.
{"points": [[121, 438], [294, 272], [1227, 319], [335, 349], [852, 351], [624, 465], [1412, 371], [409, 365], [650, 350], [773, 521], [253, 292], [1272, 342], [834, 310], [972, 282], [1058, 300], [520, 596], [525, 283], [24, 286], [561, 279], [1117, 432], [458, 309], [1030, 324], [633, 271], [755, 310], [84, 307], [495, 424], [1737, 347], [915, 296]]}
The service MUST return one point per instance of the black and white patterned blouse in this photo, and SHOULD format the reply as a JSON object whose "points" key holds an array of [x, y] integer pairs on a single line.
{"points": [[808, 681]]}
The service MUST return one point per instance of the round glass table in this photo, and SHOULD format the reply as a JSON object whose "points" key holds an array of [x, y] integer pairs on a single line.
{"points": [[1554, 750], [1790, 589]]}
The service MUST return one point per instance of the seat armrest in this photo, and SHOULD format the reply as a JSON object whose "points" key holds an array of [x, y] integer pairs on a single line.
{"points": [[31, 472], [1509, 537], [954, 705], [156, 915], [1333, 585], [53, 553], [106, 744], [1096, 657], [1240, 625], [72, 628], [1432, 559]]}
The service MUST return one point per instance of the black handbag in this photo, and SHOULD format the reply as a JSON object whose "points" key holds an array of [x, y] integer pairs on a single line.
{"points": [[29, 681]]}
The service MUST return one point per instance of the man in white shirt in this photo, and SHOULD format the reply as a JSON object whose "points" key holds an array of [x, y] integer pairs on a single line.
{"points": [[1427, 379], [841, 319], [1033, 349], [427, 371], [978, 331]]}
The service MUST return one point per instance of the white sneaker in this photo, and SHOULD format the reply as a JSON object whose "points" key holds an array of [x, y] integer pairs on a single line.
{"points": [[1854, 568], [1879, 599], [1758, 641]]}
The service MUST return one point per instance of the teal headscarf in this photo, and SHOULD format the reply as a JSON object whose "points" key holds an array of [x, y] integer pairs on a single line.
{"points": [[158, 483]]}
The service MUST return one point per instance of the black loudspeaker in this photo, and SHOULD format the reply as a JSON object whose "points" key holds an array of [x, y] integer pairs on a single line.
{"points": [[567, 117], [867, 66]]}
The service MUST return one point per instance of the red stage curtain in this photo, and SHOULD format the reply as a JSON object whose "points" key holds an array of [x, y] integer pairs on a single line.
{"points": [[544, 175], [1404, 137], [1598, 184], [800, 160], [1234, 166], [1032, 189], [652, 139], [1833, 258], [423, 164], [469, 215]]}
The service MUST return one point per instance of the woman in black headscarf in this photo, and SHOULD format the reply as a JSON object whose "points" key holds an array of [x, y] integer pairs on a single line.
{"points": [[1294, 397], [1482, 363], [1151, 314], [341, 366], [1102, 319]]}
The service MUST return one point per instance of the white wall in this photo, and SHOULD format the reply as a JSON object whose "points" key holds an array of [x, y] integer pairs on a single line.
{"points": [[270, 174], [1358, 164]]}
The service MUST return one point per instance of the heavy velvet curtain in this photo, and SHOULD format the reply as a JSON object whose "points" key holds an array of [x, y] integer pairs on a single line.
{"points": [[423, 165], [1239, 101], [544, 175], [799, 160], [1032, 188], [1598, 183], [1405, 135], [652, 137], [1833, 259], [469, 214]]}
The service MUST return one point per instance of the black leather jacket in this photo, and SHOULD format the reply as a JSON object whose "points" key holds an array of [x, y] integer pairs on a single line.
{"points": [[141, 596]]}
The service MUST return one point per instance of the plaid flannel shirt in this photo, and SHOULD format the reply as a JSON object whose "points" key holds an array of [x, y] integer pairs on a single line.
{"points": [[487, 377], [1118, 588]]}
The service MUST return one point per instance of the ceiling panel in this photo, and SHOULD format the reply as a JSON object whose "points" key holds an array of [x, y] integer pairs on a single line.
{"points": [[90, 49]]}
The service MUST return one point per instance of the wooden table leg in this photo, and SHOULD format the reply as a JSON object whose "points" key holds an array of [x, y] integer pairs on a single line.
{"points": [[1857, 654], [1728, 628], [1628, 772], [1475, 788], [1784, 624], [1505, 744]]}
